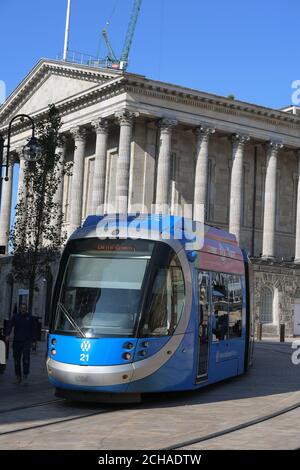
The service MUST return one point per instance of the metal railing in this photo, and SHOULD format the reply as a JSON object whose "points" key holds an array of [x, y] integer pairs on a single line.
{"points": [[81, 58]]}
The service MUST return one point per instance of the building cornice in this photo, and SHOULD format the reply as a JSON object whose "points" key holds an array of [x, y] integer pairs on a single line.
{"points": [[110, 83], [207, 101]]}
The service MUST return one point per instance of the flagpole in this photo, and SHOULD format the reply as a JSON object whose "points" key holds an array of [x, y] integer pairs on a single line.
{"points": [[67, 31]]}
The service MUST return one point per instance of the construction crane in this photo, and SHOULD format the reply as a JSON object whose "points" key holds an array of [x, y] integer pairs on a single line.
{"points": [[112, 60]]}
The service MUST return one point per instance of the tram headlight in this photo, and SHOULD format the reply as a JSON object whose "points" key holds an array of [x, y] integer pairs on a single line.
{"points": [[89, 334], [53, 352], [127, 356], [143, 353], [53, 342], [192, 256], [128, 346]]}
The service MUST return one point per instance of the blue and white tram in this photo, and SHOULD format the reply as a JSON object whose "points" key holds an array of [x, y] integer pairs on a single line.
{"points": [[133, 316]]}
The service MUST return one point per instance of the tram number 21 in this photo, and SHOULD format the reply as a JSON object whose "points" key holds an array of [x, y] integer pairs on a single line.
{"points": [[84, 357]]}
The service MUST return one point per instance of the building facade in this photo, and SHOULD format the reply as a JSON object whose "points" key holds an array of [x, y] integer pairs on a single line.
{"points": [[140, 142]]}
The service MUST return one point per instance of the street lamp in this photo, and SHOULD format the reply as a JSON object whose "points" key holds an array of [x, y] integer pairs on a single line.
{"points": [[31, 151]]}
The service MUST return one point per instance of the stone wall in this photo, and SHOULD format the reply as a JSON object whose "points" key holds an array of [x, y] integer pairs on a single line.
{"points": [[284, 282]]}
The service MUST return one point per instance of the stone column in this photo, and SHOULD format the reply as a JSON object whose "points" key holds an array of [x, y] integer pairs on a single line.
{"points": [[79, 135], [21, 181], [201, 172], [101, 127], [236, 188], [297, 246], [149, 169], [125, 119], [5, 214], [268, 251], [164, 162], [22, 187]]}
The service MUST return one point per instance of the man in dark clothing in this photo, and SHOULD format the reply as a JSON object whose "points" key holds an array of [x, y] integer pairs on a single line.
{"points": [[24, 335]]}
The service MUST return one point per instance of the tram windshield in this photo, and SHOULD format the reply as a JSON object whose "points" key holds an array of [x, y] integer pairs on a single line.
{"points": [[105, 283]]}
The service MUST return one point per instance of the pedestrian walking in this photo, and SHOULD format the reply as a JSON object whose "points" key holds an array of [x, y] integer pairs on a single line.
{"points": [[24, 326]]}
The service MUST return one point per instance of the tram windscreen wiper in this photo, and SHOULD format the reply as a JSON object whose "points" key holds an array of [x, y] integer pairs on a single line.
{"points": [[70, 319]]}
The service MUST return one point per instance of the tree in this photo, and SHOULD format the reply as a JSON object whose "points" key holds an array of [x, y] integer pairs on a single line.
{"points": [[37, 237]]}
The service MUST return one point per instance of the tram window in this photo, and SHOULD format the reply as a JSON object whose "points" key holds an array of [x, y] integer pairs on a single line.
{"points": [[102, 294], [203, 282], [220, 318], [165, 302], [204, 316], [235, 306]]}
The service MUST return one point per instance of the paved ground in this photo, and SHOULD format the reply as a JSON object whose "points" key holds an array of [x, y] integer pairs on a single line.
{"points": [[273, 384]]}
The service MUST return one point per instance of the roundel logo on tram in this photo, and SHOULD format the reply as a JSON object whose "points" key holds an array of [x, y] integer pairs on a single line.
{"points": [[85, 346]]}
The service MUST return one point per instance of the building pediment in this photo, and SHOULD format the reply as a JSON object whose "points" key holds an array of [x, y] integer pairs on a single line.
{"points": [[49, 83]]}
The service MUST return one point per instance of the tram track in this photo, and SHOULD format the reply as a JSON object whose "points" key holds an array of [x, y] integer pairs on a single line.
{"points": [[246, 424], [29, 406], [57, 421], [233, 429], [178, 445]]}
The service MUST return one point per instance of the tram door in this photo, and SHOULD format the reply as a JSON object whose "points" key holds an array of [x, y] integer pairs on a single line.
{"points": [[203, 325]]}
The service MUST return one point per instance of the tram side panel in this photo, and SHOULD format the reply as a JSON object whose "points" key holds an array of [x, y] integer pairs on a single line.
{"points": [[249, 355], [171, 371], [225, 352], [170, 362], [228, 325]]}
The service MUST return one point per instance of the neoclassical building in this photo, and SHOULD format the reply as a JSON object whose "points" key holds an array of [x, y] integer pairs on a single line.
{"points": [[140, 141]]}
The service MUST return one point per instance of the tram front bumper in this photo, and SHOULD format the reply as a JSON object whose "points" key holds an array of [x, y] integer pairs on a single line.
{"points": [[89, 376]]}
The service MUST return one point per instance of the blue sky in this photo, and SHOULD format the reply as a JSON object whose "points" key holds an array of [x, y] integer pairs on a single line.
{"points": [[246, 48]]}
